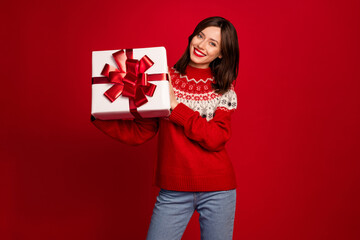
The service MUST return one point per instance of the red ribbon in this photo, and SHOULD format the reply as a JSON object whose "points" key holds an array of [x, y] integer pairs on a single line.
{"points": [[130, 79]]}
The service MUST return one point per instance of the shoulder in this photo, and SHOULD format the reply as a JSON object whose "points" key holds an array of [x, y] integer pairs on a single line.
{"points": [[228, 100], [173, 73]]}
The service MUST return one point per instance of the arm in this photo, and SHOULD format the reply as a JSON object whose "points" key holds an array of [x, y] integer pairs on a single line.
{"points": [[211, 135], [133, 132]]}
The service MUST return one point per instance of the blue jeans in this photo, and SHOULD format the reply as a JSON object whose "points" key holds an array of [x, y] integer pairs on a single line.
{"points": [[173, 210]]}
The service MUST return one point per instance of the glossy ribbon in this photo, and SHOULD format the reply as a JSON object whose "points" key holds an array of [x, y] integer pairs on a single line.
{"points": [[130, 79]]}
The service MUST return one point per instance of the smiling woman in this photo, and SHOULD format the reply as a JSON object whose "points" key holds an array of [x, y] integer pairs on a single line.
{"points": [[193, 169]]}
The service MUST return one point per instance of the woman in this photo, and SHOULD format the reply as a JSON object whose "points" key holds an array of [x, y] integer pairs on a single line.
{"points": [[193, 169]]}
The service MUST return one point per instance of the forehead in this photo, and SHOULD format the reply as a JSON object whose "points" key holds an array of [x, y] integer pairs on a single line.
{"points": [[212, 32]]}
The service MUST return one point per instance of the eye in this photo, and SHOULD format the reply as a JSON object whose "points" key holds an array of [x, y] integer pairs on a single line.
{"points": [[199, 36], [212, 44]]}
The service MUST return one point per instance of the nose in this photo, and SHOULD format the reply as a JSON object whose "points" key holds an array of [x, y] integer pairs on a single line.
{"points": [[201, 44]]}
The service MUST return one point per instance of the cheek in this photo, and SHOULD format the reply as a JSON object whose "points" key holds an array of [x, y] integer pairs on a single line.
{"points": [[215, 53], [193, 41]]}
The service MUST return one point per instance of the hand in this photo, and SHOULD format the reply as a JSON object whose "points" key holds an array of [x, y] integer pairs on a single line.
{"points": [[173, 101]]}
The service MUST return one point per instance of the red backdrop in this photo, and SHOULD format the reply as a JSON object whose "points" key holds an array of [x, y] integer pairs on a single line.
{"points": [[295, 144]]}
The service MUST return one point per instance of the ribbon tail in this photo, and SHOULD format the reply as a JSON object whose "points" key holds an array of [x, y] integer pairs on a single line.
{"points": [[133, 109], [140, 98], [114, 92], [149, 89]]}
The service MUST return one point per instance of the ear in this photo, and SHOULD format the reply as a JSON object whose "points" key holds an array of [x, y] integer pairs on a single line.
{"points": [[220, 56]]}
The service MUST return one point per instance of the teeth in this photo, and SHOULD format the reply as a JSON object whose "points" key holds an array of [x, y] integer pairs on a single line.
{"points": [[199, 53]]}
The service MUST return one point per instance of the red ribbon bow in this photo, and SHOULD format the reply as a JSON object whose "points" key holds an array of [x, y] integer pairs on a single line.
{"points": [[129, 79]]}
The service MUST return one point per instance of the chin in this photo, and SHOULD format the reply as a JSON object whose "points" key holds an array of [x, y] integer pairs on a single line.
{"points": [[196, 60]]}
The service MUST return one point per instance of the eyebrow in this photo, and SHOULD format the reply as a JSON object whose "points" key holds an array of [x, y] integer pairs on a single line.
{"points": [[210, 38], [214, 40]]}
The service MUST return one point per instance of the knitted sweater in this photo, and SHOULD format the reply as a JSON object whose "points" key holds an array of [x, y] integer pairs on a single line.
{"points": [[191, 146]]}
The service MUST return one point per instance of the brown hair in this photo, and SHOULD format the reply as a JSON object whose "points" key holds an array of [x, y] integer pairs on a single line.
{"points": [[225, 69]]}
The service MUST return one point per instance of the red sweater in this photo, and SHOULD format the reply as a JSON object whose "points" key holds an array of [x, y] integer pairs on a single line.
{"points": [[191, 146]]}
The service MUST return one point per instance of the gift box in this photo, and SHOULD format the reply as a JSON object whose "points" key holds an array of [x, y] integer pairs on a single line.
{"points": [[130, 83]]}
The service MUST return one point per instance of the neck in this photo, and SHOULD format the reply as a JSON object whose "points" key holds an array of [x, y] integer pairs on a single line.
{"points": [[201, 66]]}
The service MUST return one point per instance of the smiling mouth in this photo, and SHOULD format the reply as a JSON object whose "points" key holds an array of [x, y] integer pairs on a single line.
{"points": [[198, 53]]}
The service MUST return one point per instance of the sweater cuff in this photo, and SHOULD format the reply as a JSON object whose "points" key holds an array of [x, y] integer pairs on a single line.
{"points": [[180, 114]]}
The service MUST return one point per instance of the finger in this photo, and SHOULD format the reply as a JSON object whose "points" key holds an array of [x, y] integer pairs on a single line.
{"points": [[169, 77]]}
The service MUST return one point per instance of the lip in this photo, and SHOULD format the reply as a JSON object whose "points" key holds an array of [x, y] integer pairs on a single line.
{"points": [[196, 54]]}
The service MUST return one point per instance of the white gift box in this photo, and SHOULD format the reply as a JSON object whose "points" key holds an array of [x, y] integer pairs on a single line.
{"points": [[157, 106]]}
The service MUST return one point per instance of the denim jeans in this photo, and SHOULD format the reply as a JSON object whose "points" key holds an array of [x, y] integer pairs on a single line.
{"points": [[173, 210]]}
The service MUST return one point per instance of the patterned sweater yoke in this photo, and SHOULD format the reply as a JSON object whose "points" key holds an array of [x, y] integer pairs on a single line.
{"points": [[194, 89]]}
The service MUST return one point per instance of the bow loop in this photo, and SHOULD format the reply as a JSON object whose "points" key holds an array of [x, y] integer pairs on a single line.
{"points": [[120, 59], [114, 92], [116, 77], [107, 69], [132, 67], [145, 63]]}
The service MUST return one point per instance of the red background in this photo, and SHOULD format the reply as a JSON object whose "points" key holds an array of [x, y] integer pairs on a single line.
{"points": [[295, 144]]}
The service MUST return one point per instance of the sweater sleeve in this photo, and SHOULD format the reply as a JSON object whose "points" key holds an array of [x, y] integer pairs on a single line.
{"points": [[133, 132], [211, 135]]}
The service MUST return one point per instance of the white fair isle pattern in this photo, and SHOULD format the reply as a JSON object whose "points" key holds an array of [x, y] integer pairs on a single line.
{"points": [[206, 104], [193, 79]]}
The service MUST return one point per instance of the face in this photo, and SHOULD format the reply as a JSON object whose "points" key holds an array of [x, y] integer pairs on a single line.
{"points": [[205, 47]]}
